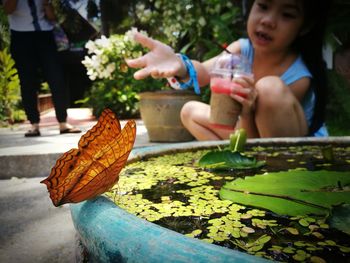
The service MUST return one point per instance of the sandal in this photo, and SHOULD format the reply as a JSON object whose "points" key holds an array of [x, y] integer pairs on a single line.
{"points": [[32, 133], [70, 130]]}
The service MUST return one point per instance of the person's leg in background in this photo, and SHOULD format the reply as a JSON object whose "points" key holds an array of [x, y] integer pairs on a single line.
{"points": [[53, 73], [23, 52]]}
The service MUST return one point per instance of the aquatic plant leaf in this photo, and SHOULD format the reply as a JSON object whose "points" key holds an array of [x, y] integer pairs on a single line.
{"points": [[340, 218], [238, 140], [291, 193], [223, 160]]}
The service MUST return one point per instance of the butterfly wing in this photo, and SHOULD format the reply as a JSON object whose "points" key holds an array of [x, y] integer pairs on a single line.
{"points": [[106, 129], [84, 173], [103, 171]]}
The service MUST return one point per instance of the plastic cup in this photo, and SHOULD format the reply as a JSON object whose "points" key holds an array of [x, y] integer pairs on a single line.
{"points": [[224, 110]]}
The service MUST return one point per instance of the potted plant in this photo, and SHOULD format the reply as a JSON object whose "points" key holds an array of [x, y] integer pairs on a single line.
{"points": [[115, 87]]}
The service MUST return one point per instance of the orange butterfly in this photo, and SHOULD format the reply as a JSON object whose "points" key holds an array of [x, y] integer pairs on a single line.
{"points": [[94, 167]]}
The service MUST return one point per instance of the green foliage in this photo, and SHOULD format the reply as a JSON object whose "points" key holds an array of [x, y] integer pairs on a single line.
{"points": [[197, 28], [336, 34], [107, 94], [232, 158], [4, 30], [238, 140], [340, 218], [9, 86], [226, 160], [338, 109]]}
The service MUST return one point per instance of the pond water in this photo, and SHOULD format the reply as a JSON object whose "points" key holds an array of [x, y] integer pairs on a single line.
{"points": [[172, 191]]}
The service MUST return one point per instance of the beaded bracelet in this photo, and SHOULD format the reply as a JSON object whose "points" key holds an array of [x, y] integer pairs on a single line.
{"points": [[193, 81]]}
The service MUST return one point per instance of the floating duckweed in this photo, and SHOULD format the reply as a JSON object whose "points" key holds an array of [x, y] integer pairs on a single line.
{"points": [[324, 164], [253, 246], [256, 212], [306, 221], [248, 230], [246, 216], [318, 235], [289, 250], [301, 255], [195, 233], [172, 191], [292, 230], [300, 244], [263, 223], [344, 249], [315, 259]]}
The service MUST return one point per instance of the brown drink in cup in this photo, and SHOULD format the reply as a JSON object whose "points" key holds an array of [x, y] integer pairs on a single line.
{"points": [[224, 110]]}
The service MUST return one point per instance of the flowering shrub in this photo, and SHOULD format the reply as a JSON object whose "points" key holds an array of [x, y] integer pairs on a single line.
{"points": [[113, 83]]}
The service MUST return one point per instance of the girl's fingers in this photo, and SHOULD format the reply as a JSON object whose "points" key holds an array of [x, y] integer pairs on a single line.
{"points": [[249, 79], [137, 62], [243, 82], [145, 41], [146, 72], [155, 74], [239, 90], [142, 74], [238, 98]]}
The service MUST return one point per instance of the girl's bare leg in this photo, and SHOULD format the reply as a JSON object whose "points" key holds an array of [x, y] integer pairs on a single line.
{"points": [[278, 112], [195, 117]]}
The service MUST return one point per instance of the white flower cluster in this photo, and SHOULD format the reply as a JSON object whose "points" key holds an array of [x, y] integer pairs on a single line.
{"points": [[98, 65], [106, 55]]}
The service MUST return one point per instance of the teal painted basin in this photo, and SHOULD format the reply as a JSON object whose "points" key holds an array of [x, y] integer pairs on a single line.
{"points": [[110, 234]]}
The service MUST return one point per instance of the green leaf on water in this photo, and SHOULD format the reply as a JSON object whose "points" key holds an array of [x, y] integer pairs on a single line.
{"points": [[238, 140], [292, 230], [223, 160], [291, 193], [340, 218]]}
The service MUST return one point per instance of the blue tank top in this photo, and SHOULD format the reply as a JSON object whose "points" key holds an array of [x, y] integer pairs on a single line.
{"points": [[295, 72]]}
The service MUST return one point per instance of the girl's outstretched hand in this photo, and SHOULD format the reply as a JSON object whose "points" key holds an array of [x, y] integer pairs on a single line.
{"points": [[160, 62], [245, 93]]}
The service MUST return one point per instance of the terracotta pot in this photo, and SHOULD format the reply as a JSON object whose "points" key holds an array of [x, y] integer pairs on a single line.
{"points": [[160, 112]]}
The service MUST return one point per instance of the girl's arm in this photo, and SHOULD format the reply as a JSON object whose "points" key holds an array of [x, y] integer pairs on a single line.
{"points": [[162, 62], [300, 87], [9, 6]]}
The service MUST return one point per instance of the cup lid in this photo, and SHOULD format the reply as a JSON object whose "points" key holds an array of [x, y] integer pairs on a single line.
{"points": [[230, 64]]}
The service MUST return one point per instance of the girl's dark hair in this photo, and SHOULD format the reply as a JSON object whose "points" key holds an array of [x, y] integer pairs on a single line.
{"points": [[310, 46]]}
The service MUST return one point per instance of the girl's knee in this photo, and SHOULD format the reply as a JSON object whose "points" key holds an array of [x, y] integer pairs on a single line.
{"points": [[271, 85], [272, 91], [186, 111]]}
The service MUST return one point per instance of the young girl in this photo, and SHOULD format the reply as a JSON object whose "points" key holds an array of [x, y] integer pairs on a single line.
{"points": [[286, 97]]}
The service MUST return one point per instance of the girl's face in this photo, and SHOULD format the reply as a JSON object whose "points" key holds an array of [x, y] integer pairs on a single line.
{"points": [[273, 25]]}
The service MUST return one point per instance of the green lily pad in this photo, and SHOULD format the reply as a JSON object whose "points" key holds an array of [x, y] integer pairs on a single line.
{"points": [[291, 193], [223, 160], [340, 218]]}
